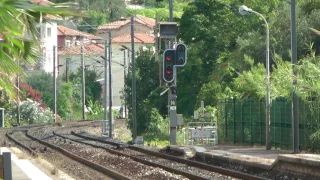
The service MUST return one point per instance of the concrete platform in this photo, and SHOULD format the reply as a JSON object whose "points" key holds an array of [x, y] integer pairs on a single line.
{"points": [[256, 157], [35, 169]]}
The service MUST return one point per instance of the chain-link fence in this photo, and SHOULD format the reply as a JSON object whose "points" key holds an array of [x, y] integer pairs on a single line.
{"points": [[243, 122]]}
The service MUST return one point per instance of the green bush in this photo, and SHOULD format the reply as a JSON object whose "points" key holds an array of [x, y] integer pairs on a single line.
{"points": [[31, 112]]}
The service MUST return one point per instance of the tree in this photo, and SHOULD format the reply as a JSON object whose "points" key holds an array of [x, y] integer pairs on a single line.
{"points": [[17, 26], [93, 88], [95, 19], [147, 91]]}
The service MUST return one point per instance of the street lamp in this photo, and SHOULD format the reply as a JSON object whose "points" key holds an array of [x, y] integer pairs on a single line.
{"points": [[243, 10]]}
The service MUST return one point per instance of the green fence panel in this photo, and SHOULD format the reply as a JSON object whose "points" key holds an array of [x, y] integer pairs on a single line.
{"points": [[243, 122]]}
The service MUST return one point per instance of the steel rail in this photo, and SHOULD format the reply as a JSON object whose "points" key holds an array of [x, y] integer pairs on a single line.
{"points": [[220, 170], [81, 160], [32, 152], [146, 162]]}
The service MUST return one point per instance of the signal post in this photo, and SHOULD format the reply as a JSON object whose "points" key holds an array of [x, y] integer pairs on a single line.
{"points": [[173, 58]]}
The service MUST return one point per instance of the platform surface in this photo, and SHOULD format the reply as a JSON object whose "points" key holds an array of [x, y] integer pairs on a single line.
{"points": [[31, 169], [259, 157], [254, 151], [23, 169]]}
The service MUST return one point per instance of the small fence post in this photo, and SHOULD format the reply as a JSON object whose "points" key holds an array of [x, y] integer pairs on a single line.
{"points": [[7, 166], [234, 121]]}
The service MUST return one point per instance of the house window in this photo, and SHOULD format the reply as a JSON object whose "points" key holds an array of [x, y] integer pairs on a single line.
{"points": [[67, 44], [48, 32]]}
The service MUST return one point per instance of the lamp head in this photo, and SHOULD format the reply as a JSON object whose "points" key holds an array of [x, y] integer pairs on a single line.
{"points": [[243, 10], [125, 47]]}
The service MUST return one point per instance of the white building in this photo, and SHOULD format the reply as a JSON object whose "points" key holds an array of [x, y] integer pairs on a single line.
{"points": [[47, 29], [48, 41]]}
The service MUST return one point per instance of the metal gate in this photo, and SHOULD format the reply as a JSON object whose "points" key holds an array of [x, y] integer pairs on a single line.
{"points": [[201, 133]]}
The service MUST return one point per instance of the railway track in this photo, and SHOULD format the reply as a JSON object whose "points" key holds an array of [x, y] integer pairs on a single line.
{"points": [[184, 167], [120, 164], [115, 159], [149, 160], [37, 147]]}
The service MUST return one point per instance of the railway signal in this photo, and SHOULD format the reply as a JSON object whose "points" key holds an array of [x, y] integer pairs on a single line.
{"points": [[168, 64], [181, 55], [173, 58]]}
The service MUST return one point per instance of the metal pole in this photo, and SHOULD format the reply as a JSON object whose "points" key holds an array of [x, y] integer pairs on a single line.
{"points": [[54, 85], [128, 60], [170, 11], [295, 100], [133, 83], [83, 85], [171, 20], [18, 98], [124, 80], [172, 95], [105, 79], [268, 144], [156, 30], [67, 69], [110, 91]]}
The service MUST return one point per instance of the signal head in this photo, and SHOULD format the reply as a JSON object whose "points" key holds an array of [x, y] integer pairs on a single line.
{"points": [[168, 64], [181, 55]]}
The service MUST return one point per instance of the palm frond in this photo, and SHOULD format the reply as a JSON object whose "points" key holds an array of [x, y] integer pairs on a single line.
{"points": [[18, 19], [315, 31]]}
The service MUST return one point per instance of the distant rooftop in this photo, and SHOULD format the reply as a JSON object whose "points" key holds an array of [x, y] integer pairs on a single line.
{"points": [[123, 21], [64, 31], [88, 48], [138, 38]]}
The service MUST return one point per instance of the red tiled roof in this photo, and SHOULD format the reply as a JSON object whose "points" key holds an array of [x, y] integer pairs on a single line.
{"points": [[91, 36], [64, 31], [138, 38], [42, 2], [117, 24], [88, 48], [68, 32]]}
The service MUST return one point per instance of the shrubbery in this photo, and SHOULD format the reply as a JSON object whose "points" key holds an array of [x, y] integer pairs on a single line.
{"points": [[31, 112]]}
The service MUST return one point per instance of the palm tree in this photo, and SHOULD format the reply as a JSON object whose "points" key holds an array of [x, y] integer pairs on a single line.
{"points": [[19, 36]]}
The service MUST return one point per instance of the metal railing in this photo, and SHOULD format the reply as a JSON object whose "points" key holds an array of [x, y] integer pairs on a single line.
{"points": [[201, 133]]}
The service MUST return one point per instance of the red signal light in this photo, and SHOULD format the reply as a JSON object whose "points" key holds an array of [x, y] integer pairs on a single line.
{"points": [[168, 58], [168, 72]]}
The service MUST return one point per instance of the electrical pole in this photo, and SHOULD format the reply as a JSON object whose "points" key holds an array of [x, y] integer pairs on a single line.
{"points": [[105, 79], [83, 85], [54, 85], [295, 100], [124, 80], [134, 121], [128, 60], [172, 93], [67, 69], [156, 30], [110, 91]]}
